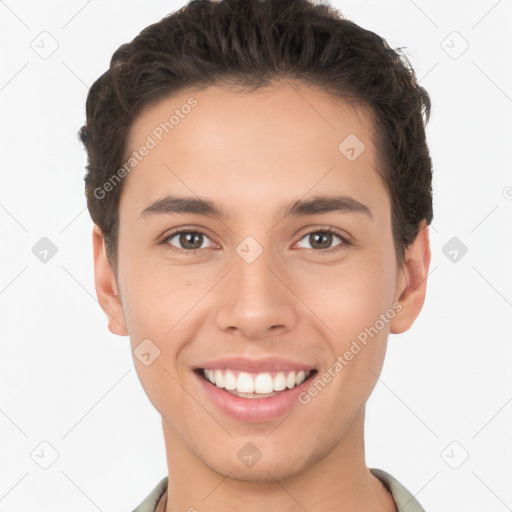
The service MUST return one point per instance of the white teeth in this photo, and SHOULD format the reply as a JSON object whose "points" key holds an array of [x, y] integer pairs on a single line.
{"points": [[244, 384], [219, 379], [261, 384], [230, 381], [280, 382]]}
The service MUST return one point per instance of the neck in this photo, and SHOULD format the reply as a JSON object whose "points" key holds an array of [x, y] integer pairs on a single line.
{"points": [[337, 481]]}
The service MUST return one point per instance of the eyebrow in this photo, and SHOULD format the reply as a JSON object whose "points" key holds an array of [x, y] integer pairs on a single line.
{"points": [[314, 206]]}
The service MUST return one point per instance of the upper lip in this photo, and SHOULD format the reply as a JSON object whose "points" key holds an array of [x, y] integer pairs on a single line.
{"points": [[256, 365]]}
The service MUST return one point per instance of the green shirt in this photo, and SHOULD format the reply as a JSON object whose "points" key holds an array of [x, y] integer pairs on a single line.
{"points": [[405, 501]]}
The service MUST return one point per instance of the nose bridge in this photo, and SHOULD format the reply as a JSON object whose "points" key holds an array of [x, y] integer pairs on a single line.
{"points": [[252, 277], [254, 302]]}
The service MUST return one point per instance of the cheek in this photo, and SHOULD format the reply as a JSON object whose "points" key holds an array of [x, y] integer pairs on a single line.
{"points": [[158, 304], [158, 297], [163, 301], [354, 302], [347, 298], [350, 303]]}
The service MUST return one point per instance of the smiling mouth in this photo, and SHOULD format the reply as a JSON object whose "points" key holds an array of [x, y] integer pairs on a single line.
{"points": [[255, 385]]}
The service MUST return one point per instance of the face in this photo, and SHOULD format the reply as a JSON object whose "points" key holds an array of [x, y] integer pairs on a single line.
{"points": [[255, 243]]}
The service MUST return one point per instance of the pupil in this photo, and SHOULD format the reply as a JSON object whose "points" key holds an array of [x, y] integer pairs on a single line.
{"points": [[314, 238], [186, 240]]}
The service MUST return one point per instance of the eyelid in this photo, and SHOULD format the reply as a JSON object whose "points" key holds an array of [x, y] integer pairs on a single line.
{"points": [[324, 228], [186, 229]]}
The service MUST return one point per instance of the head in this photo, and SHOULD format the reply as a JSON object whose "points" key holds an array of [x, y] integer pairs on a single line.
{"points": [[255, 127]]}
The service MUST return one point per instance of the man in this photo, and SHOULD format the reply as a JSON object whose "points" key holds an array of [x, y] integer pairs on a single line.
{"points": [[260, 185]]}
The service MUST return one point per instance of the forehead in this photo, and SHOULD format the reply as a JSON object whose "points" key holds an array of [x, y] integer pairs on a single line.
{"points": [[280, 142]]}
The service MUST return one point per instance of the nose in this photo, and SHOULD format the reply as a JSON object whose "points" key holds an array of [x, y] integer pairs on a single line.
{"points": [[256, 300]]}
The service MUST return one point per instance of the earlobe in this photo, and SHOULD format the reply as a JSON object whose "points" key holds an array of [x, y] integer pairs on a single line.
{"points": [[106, 286], [412, 281]]}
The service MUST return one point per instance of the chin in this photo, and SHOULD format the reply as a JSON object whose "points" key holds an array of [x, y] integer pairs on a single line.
{"points": [[277, 466]]}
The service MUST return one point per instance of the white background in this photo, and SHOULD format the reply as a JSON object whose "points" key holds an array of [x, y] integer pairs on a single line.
{"points": [[65, 380]]}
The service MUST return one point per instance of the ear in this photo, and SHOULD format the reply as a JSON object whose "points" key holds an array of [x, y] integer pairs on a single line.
{"points": [[106, 286], [412, 281]]}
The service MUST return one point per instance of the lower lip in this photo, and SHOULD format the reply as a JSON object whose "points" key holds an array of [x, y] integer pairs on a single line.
{"points": [[253, 410]]}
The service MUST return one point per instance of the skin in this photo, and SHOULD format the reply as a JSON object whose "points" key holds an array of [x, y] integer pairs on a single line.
{"points": [[252, 154]]}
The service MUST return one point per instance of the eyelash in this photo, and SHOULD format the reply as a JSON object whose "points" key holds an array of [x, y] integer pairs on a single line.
{"points": [[344, 245]]}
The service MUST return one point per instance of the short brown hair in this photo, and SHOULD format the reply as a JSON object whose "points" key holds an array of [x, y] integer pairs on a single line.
{"points": [[251, 44]]}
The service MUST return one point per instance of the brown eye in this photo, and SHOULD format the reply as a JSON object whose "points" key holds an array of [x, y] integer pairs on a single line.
{"points": [[187, 240], [323, 240], [320, 240]]}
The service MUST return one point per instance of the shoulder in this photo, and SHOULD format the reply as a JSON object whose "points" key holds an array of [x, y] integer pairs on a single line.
{"points": [[151, 501], [405, 501]]}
